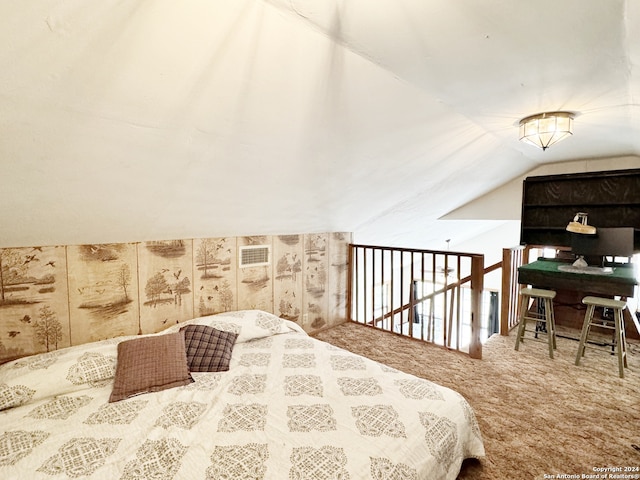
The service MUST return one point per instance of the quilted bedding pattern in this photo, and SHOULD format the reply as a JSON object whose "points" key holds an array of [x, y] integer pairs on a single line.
{"points": [[290, 406]]}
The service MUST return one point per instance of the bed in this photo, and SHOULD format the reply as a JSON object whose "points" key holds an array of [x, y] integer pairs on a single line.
{"points": [[280, 405]]}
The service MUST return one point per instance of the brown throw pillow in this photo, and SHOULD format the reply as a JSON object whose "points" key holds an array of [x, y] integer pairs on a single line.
{"points": [[150, 364], [208, 349]]}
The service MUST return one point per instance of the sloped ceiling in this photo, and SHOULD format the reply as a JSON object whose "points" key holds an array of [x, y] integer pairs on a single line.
{"points": [[126, 120]]}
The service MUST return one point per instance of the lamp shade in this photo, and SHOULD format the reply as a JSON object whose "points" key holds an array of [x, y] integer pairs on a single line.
{"points": [[545, 129], [579, 225]]}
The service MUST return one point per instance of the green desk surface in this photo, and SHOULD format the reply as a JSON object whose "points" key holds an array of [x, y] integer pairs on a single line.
{"points": [[545, 274]]}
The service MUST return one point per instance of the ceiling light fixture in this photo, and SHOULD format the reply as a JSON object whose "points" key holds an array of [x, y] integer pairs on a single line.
{"points": [[545, 129]]}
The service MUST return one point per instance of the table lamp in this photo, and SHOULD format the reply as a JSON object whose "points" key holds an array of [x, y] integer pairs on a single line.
{"points": [[580, 226]]}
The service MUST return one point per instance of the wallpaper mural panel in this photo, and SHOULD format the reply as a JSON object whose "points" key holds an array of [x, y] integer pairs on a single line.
{"points": [[103, 291], [287, 260], [166, 283], [316, 295], [215, 275], [34, 301], [338, 273], [56, 296]]}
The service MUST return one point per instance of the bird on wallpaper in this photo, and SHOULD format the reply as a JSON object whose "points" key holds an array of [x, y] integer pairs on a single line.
{"points": [[36, 249], [50, 262], [177, 275], [13, 333], [164, 270], [26, 319], [30, 258]]}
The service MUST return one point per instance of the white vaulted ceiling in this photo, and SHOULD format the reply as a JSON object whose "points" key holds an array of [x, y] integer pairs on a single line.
{"points": [[127, 120]]}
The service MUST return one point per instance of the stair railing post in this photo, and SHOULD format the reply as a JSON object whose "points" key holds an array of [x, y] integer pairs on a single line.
{"points": [[477, 286]]}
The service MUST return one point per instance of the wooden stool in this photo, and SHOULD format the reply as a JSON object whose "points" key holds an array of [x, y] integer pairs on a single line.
{"points": [[543, 316], [619, 342]]}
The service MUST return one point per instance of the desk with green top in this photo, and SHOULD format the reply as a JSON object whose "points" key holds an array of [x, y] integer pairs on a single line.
{"points": [[621, 281], [571, 286]]}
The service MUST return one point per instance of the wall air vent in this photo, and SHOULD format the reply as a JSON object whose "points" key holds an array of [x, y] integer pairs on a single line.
{"points": [[254, 256]]}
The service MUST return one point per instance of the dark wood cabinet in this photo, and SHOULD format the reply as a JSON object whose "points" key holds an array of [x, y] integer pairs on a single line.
{"points": [[549, 203]]}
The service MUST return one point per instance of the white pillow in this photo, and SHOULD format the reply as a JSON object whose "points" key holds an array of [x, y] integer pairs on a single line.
{"points": [[248, 324]]}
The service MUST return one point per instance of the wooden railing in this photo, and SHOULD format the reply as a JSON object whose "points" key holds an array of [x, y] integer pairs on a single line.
{"points": [[434, 296], [512, 258]]}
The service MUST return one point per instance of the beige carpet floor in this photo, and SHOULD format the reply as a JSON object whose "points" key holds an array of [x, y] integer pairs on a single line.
{"points": [[538, 416]]}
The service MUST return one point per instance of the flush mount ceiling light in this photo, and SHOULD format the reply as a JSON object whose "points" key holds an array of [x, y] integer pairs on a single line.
{"points": [[545, 129]]}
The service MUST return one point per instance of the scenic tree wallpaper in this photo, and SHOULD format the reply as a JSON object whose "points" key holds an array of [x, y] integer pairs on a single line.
{"points": [[52, 297]]}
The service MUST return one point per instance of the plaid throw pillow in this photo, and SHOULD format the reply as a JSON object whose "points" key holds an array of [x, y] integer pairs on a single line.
{"points": [[208, 349], [150, 364]]}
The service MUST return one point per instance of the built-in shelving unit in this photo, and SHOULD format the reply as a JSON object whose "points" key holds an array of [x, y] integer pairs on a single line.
{"points": [[549, 202]]}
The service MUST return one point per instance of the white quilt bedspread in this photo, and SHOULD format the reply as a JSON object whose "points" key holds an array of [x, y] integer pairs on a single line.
{"points": [[290, 407]]}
